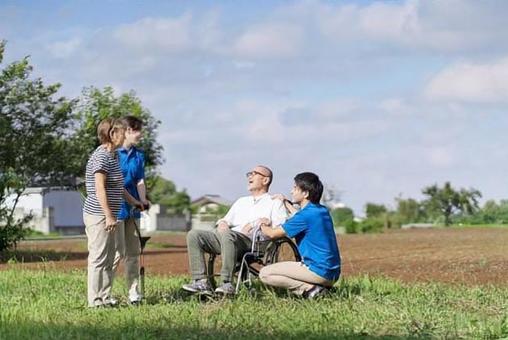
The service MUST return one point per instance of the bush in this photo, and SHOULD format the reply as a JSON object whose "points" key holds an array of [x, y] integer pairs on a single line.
{"points": [[371, 225]]}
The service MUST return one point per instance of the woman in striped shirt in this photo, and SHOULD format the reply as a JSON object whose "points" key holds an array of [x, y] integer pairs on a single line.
{"points": [[105, 193]]}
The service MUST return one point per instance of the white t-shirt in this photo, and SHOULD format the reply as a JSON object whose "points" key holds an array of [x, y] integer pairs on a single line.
{"points": [[249, 209]]}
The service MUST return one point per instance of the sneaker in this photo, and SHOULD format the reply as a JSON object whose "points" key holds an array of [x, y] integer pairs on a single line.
{"points": [[198, 286], [315, 292], [111, 302], [226, 289], [97, 303], [136, 302]]}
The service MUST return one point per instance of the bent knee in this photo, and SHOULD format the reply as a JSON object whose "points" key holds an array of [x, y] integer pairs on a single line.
{"points": [[264, 274], [192, 235]]}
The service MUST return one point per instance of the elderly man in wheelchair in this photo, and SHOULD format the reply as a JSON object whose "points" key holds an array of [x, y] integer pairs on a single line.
{"points": [[232, 238]]}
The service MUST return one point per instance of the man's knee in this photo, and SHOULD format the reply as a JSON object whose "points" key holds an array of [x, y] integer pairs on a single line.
{"points": [[192, 236], [227, 236]]}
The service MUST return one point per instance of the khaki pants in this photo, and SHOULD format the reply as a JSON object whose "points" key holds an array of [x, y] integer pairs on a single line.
{"points": [[294, 276], [101, 254], [128, 249]]}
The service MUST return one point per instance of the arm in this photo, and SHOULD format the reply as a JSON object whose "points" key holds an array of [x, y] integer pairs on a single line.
{"points": [[141, 186], [272, 233], [131, 200], [226, 222], [287, 203], [142, 191], [100, 190]]}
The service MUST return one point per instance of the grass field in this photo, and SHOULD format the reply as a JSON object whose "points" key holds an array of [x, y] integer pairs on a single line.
{"points": [[47, 304]]}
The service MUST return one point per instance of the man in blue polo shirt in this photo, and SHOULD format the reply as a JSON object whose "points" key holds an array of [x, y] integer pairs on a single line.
{"points": [[312, 228], [132, 163]]}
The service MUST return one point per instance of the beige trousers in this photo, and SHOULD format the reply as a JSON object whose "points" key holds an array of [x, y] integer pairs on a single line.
{"points": [[101, 254], [128, 250], [294, 276]]}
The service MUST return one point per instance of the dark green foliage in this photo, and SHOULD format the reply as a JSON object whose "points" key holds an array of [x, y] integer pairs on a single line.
{"points": [[374, 210], [164, 192], [341, 216], [409, 211], [95, 105], [34, 128], [446, 201]]}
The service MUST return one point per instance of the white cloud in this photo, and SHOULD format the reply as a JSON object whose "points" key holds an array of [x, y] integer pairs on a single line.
{"points": [[446, 26], [64, 49], [441, 157], [155, 35], [270, 40], [470, 82]]}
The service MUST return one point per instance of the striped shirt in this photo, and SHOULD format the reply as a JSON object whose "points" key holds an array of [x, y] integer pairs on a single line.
{"points": [[102, 160]]}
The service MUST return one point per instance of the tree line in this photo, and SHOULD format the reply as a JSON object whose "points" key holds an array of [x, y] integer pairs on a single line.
{"points": [[442, 205], [46, 139]]}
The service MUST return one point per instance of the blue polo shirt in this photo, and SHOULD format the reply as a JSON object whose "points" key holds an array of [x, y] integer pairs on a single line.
{"points": [[132, 163], [312, 228]]}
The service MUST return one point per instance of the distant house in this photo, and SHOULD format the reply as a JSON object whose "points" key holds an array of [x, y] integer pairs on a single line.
{"points": [[208, 209], [159, 218], [54, 209]]}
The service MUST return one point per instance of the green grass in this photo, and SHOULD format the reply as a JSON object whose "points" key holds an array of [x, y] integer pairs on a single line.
{"points": [[51, 305]]}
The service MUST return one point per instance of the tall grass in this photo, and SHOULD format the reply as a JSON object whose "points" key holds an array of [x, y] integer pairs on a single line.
{"points": [[51, 305]]}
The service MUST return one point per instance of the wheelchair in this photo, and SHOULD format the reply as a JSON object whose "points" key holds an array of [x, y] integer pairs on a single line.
{"points": [[262, 253]]}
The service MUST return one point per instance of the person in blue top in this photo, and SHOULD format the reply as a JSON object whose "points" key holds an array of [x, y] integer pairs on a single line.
{"points": [[312, 228], [132, 164]]}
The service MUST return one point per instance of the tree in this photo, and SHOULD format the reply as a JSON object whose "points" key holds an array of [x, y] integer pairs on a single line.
{"points": [[409, 210], [374, 210], [447, 201], [95, 105], [164, 192], [34, 127], [342, 215]]}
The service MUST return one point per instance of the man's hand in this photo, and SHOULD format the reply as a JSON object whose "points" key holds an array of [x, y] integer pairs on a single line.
{"points": [[247, 229], [265, 222], [146, 205], [279, 197], [222, 227]]}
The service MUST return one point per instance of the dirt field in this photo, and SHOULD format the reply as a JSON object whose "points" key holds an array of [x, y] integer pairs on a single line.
{"points": [[474, 256]]}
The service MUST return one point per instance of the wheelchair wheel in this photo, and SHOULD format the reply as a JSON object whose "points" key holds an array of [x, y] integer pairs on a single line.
{"points": [[281, 250]]}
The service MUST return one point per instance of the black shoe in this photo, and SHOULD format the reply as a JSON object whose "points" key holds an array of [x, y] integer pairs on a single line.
{"points": [[135, 303], [315, 292]]}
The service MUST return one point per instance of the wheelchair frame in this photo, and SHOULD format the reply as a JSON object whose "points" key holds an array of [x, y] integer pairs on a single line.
{"points": [[263, 252]]}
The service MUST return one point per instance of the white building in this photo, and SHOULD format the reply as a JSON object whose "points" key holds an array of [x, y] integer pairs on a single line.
{"points": [[60, 210], [207, 207], [57, 210]]}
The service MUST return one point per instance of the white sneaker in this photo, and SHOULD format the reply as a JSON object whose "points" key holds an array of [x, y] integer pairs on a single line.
{"points": [[226, 289], [110, 302]]}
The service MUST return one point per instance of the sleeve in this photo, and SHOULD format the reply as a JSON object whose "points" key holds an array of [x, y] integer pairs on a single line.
{"points": [[295, 225], [141, 166], [100, 163], [279, 214], [230, 216]]}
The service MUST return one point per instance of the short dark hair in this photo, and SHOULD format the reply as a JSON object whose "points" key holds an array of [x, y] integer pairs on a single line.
{"points": [[309, 182], [134, 123]]}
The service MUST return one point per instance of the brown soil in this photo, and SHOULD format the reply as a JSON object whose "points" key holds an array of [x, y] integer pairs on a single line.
{"points": [[474, 256]]}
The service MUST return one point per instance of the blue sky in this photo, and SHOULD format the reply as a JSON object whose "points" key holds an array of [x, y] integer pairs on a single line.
{"points": [[380, 98]]}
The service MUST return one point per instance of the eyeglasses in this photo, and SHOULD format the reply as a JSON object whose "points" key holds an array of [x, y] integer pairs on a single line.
{"points": [[252, 173]]}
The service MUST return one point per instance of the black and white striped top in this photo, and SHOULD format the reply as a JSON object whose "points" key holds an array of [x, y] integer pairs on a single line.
{"points": [[107, 162]]}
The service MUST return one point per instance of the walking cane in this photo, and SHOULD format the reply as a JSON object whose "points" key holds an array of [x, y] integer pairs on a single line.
{"points": [[142, 243]]}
